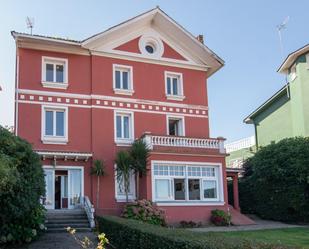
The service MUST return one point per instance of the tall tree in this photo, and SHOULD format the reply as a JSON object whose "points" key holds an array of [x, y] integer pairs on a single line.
{"points": [[140, 154], [98, 169]]}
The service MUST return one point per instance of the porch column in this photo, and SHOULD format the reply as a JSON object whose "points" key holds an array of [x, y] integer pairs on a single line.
{"points": [[235, 192]]}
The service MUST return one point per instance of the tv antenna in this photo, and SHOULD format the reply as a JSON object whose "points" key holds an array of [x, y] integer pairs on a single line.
{"points": [[30, 23], [281, 27]]}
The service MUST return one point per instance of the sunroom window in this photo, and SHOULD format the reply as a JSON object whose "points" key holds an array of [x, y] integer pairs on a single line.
{"points": [[186, 183]]}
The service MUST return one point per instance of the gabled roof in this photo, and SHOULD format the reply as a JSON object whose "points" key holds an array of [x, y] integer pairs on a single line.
{"points": [[290, 59], [154, 18], [266, 104]]}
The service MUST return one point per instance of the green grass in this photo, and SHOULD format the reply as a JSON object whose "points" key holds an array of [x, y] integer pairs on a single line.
{"points": [[287, 236]]}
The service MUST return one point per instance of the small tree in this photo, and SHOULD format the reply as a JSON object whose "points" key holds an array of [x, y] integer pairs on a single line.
{"points": [[123, 170], [98, 169], [140, 154]]}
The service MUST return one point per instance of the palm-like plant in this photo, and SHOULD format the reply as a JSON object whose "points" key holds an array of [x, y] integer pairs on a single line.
{"points": [[123, 170], [98, 169], [139, 153]]}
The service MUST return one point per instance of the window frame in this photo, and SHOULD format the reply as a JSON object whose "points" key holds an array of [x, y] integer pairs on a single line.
{"points": [[219, 200], [53, 139], [176, 117], [180, 96], [55, 61], [122, 197], [122, 68], [124, 141]]}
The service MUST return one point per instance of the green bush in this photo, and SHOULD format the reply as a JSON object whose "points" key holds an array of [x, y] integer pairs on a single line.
{"points": [[132, 234], [21, 186], [220, 218], [146, 211], [276, 181]]}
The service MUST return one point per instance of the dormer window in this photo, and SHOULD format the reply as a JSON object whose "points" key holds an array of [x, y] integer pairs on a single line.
{"points": [[123, 79], [54, 72], [174, 86], [293, 72]]}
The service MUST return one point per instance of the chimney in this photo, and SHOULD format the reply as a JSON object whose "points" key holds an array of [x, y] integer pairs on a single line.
{"points": [[200, 38]]}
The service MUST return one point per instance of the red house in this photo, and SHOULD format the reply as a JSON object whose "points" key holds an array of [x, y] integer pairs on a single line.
{"points": [[77, 101]]}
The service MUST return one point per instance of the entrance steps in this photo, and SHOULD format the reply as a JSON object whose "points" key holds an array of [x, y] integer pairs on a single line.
{"points": [[58, 220], [239, 219]]}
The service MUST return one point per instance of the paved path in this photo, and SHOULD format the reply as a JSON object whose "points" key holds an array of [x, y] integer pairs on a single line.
{"points": [[57, 241], [260, 225]]}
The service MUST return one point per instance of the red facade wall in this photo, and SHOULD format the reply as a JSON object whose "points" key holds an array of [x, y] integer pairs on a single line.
{"points": [[92, 129]]}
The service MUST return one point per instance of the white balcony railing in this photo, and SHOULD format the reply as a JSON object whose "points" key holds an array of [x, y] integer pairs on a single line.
{"points": [[240, 144], [172, 141]]}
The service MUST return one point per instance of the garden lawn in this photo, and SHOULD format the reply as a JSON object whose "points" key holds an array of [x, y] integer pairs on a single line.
{"points": [[287, 236]]}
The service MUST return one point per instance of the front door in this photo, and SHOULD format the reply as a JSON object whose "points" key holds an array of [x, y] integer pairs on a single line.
{"points": [[63, 188]]}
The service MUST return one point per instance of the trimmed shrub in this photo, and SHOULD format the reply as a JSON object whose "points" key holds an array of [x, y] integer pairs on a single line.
{"points": [[189, 224], [146, 211], [132, 234], [220, 218], [276, 181], [21, 186]]}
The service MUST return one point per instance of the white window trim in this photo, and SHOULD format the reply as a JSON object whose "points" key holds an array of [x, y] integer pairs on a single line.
{"points": [[203, 202], [179, 97], [122, 198], [53, 139], [182, 118], [129, 91], [124, 142], [293, 72], [57, 85], [153, 39]]}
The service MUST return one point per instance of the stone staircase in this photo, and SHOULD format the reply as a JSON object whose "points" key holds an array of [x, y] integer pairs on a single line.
{"points": [[58, 220]]}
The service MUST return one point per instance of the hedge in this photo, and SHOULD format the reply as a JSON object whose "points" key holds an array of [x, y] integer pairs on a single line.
{"points": [[21, 186], [131, 234], [276, 181]]}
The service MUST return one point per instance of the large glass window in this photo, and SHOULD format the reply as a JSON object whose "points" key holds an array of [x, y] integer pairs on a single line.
{"points": [[185, 182]]}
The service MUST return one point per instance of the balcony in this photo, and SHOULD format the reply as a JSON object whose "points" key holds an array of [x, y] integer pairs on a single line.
{"points": [[155, 142]]}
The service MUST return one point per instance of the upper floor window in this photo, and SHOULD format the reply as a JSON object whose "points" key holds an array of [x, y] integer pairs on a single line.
{"points": [[174, 86], [293, 73], [54, 72], [124, 128], [54, 124], [123, 79], [175, 126]]}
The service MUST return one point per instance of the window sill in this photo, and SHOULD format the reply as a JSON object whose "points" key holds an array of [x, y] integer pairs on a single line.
{"points": [[55, 85], [54, 141], [121, 199], [123, 142], [193, 203], [123, 91], [175, 97]]}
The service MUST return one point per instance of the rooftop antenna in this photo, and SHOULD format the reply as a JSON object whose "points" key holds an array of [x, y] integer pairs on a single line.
{"points": [[30, 23], [281, 27]]}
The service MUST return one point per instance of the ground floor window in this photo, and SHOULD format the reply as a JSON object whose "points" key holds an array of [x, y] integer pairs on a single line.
{"points": [[120, 192], [186, 182]]}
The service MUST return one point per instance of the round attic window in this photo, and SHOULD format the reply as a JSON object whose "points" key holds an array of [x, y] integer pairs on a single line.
{"points": [[150, 45], [149, 48]]}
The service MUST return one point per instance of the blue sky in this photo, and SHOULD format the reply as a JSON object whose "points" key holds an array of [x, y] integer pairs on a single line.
{"points": [[243, 33]]}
